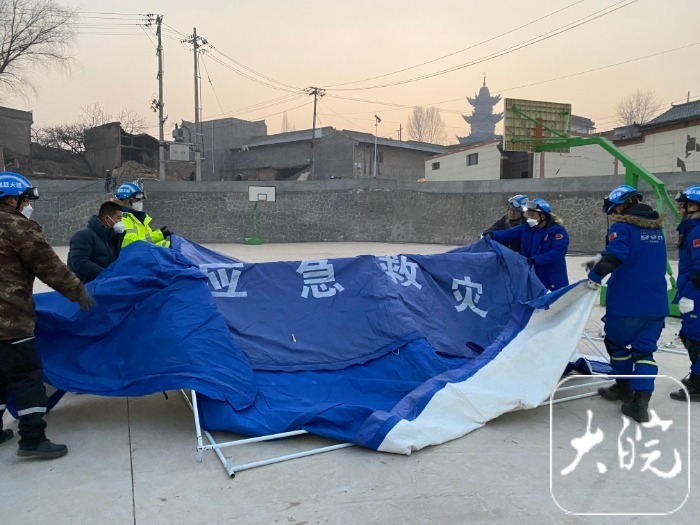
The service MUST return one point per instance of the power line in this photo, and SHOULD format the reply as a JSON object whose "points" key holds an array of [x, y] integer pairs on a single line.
{"points": [[253, 71], [545, 36], [448, 110], [211, 83], [249, 77], [461, 50], [260, 106]]}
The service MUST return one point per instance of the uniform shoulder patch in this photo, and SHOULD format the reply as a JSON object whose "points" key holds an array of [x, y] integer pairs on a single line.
{"points": [[558, 236], [696, 243], [612, 236]]}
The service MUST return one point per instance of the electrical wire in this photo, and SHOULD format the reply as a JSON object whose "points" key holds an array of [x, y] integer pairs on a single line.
{"points": [[461, 50], [211, 84], [540, 38], [253, 71]]}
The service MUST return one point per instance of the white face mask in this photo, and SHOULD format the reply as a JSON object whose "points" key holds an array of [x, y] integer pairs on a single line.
{"points": [[532, 222], [27, 211], [119, 227], [138, 206]]}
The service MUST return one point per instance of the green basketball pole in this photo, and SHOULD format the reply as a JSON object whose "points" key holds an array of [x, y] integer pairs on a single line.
{"points": [[255, 239]]}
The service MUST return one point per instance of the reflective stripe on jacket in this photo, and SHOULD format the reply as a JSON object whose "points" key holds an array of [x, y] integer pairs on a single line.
{"points": [[141, 231]]}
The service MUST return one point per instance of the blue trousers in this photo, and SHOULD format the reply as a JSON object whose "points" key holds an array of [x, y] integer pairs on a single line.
{"points": [[631, 343]]}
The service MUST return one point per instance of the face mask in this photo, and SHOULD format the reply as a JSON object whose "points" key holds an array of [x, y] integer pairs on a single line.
{"points": [[138, 206], [532, 223], [27, 211], [119, 227]]}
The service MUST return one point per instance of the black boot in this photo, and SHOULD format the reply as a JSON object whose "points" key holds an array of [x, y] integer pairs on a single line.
{"points": [[692, 383], [620, 391], [6, 435], [638, 408], [42, 450]]}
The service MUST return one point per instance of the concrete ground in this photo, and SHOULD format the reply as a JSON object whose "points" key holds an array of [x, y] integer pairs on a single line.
{"points": [[133, 460]]}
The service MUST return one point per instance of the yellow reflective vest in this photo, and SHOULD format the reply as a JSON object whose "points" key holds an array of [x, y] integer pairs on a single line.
{"points": [[141, 231]]}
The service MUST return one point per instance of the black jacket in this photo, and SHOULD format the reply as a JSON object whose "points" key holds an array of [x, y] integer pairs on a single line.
{"points": [[504, 224], [92, 249]]}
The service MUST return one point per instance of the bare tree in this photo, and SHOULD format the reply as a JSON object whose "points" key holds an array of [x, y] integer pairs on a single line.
{"points": [[638, 108], [33, 33], [132, 121], [426, 125], [93, 115], [71, 136]]}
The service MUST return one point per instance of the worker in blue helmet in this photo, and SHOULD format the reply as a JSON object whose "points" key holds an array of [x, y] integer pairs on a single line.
{"points": [[636, 301], [25, 255], [514, 217], [543, 242], [138, 224], [688, 296]]}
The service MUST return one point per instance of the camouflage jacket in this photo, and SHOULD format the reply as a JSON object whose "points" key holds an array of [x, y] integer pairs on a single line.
{"points": [[25, 254]]}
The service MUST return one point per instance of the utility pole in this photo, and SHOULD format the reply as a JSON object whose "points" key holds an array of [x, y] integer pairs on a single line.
{"points": [[161, 104], [400, 129], [197, 131], [377, 120], [316, 92], [194, 40]]}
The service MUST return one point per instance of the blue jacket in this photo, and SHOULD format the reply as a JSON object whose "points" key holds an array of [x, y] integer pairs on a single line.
{"points": [[544, 247], [688, 256], [637, 287], [92, 249]]}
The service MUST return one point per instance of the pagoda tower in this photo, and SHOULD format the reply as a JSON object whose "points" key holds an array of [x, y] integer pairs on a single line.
{"points": [[483, 120]]}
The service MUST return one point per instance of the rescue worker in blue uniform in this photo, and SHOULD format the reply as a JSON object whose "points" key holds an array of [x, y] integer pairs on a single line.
{"points": [[636, 302], [543, 242], [688, 296], [514, 217]]}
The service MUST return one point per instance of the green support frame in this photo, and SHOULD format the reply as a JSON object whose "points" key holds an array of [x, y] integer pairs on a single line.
{"points": [[633, 173]]}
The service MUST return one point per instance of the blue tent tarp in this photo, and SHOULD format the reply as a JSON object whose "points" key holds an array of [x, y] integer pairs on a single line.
{"points": [[363, 349]]}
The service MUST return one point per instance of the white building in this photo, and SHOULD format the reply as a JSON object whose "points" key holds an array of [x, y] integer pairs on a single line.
{"points": [[487, 161], [667, 143]]}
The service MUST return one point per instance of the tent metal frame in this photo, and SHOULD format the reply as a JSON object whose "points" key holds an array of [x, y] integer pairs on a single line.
{"points": [[231, 468]]}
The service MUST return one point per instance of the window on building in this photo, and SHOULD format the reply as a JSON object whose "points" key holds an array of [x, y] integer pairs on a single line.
{"points": [[436, 166], [524, 175], [472, 159]]}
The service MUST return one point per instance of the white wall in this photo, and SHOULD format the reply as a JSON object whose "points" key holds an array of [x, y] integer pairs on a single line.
{"points": [[583, 161], [454, 165], [660, 152]]}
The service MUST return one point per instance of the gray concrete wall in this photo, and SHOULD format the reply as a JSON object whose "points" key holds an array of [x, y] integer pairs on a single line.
{"points": [[103, 148], [349, 210], [218, 138], [15, 130]]}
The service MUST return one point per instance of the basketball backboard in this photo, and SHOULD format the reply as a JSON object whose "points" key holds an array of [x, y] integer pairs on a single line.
{"points": [[261, 193], [529, 123]]}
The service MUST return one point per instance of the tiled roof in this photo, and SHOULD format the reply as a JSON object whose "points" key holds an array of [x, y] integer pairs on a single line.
{"points": [[679, 113]]}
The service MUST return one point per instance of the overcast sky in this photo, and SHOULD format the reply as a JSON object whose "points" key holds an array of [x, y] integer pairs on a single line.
{"points": [[304, 43]]}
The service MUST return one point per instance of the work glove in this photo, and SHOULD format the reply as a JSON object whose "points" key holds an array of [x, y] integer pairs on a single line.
{"points": [[85, 301], [165, 231], [592, 285], [590, 263], [685, 305]]}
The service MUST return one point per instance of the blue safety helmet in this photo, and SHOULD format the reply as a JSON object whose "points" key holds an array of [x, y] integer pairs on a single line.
{"points": [[620, 195], [129, 190], [517, 202], [16, 185], [690, 194], [539, 205]]}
